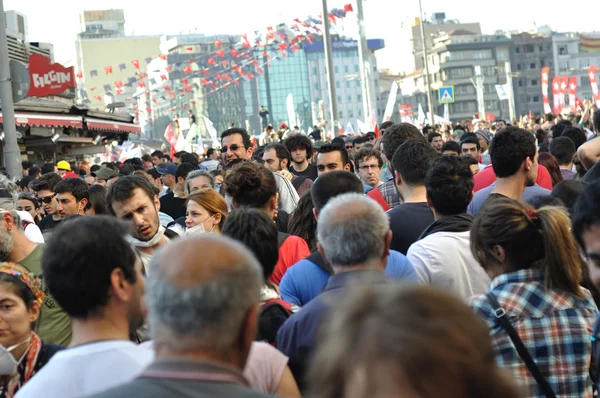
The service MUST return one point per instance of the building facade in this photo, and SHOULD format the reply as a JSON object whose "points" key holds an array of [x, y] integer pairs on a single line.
{"points": [[19, 46]]}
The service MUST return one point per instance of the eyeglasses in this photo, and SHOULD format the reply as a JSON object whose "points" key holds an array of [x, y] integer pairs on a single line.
{"points": [[46, 199], [368, 167], [349, 146], [233, 147], [372, 138]]}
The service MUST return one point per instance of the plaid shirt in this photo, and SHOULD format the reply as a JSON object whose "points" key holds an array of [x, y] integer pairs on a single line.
{"points": [[555, 327], [390, 193]]}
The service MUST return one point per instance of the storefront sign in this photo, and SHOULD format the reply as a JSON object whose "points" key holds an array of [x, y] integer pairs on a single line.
{"points": [[48, 79]]}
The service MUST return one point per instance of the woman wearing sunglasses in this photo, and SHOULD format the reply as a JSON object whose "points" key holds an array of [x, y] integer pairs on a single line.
{"points": [[22, 352], [206, 212]]}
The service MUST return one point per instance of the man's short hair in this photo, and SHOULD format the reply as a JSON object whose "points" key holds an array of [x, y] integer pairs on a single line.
{"points": [[412, 160], [433, 135], [327, 148], [469, 160], [75, 186], [451, 146], [509, 149], [385, 125], [48, 168], [250, 185], [158, 154], [397, 135], [563, 149], [366, 153], [78, 261], [576, 135], [596, 121], [360, 140], [333, 184], [299, 141], [122, 190], [190, 158], [280, 151], [46, 182], [183, 170], [586, 212], [449, 184], [236, 130], [470, 140], [210, 151]]}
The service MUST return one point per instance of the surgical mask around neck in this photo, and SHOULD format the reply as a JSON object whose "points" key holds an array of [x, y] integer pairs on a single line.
{"points": [[199, 229], [152, 242], [8, 364]]}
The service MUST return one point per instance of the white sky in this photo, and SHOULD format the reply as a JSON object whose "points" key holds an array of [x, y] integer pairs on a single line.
{"points": [[56, 22]]}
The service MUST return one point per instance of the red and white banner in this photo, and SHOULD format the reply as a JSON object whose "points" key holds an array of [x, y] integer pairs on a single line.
{"points": [[47, 78], [573, 93], [564, 84], [556, 94], [545, 74], [594, 84]]}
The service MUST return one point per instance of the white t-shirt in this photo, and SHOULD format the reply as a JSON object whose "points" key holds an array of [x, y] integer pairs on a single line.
{"points": [[32, 231], [87, 369]]}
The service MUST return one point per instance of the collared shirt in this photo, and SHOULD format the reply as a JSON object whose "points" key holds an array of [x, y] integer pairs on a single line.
{"points": [[388, 192], [554, 325]]}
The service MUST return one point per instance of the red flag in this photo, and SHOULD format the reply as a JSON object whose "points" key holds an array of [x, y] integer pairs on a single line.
{"points": [[211, 61], [163, 77], [92, 89], [169, 68], [99, 98], [594, 84], [376, 130], [234, 53], [220, 53], [79, 75], [136, 64], [260, 71], [141, 84], [184, 81], [218, 43], [142, 75], [171, 137], [212, 84], [187, 69], [148, 110], [108, 70], [545, 74], [118, 84], [564, 84], [573, 92], [556, 94], [250, 76], [332, 18], [189, 48], [578, 103], [205, 72], [348, 8]]}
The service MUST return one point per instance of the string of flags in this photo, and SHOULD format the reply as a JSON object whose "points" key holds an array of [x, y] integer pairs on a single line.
{"points": [[219, 64]]}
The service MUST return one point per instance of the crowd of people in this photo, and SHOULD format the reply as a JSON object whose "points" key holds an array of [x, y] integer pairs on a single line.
{"points": [[454, 260]]}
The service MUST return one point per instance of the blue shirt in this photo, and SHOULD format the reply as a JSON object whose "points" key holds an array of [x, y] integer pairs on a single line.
{"points": [[482, 195], [305, 280]]}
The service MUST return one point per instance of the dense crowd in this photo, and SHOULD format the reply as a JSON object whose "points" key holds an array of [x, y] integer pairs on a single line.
{"points": [[456, 260]]}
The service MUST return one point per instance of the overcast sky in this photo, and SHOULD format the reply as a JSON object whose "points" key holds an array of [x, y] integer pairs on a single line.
{"points": [[56, 22]]}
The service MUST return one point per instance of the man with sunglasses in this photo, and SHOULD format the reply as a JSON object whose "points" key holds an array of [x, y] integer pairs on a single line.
{"points": [[44, 192]]}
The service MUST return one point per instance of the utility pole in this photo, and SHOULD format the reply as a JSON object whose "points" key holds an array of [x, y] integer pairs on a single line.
{"points": [[426, 61], [511, 96], [333, 109], [478, 83], [363, 60], [12, 154]]}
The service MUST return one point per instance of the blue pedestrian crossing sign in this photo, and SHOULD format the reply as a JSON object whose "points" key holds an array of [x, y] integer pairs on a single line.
{"points": [[446, 95]]}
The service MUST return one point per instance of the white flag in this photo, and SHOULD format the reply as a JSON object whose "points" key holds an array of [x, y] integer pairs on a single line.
{"points": [[349, 129], [502, 91], [420, 115], [211, 131], [389, 108], [362, 127], [290, 110]]}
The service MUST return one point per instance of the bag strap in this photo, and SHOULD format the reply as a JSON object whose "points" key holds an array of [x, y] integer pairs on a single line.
{"points": [[521, 349]]}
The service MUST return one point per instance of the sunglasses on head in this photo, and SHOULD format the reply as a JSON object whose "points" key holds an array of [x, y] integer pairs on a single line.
{"points": [[46, 199], [233, 147]]}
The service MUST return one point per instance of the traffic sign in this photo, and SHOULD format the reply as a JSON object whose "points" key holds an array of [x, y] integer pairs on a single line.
{"points": [[446, 95]]}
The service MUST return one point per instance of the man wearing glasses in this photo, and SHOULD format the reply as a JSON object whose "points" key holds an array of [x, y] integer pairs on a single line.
{"points": [[44, 192], [369, 162]]}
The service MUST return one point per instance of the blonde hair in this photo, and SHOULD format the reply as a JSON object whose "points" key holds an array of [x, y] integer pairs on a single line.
{"points": [[212, 201]]}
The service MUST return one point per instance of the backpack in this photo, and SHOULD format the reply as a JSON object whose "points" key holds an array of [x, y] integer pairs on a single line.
{"points": [[298, 181], [281, 237], [270, 318]]}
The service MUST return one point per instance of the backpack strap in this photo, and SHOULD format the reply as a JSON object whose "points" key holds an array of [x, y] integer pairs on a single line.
{"points": [[281, 237], [169, 233], [524, 353], [320, 262], [296, 182]]}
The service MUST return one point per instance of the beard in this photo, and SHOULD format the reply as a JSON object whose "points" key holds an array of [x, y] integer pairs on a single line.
{"points": [[6, 244]]}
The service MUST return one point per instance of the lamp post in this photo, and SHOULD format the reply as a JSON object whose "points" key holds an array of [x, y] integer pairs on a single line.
{"points": [[426, 61]]}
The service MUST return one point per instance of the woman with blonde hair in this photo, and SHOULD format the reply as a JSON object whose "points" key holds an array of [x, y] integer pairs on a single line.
{"points": [[540, 318], [206, 212]]}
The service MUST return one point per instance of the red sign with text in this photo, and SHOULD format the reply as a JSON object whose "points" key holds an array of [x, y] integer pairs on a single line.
{"points": [[47, 78]]}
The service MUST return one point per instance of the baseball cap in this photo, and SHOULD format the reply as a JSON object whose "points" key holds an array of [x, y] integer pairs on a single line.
{"points": [[171, 168], [106, 173], [63, 165]]}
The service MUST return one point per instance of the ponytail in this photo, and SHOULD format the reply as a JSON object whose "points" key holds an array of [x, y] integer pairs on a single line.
{"points": [[561, 257]]}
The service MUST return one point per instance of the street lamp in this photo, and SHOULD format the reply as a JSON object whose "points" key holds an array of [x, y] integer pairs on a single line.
{"points": [[427, 83]]}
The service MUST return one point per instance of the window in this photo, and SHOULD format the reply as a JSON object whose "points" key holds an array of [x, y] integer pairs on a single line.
{"points": [[341, 114], [534, 82], [532, 65], [563, 50], [517, 49], [339, 99], [563, 66], [358, 83], [314, 70], [336, 69], [350, 113], [585, 81], [529, 48], [347, 84], [461, 72], [541, 48], [501, 55], [360, 113], [337, 84], [482, 54], [520, 82], [518, 66], [359, 98], [542, 63], [349, 98], [316, 86], [536, 98], [346, 69], [584, 63], [356, 68]]}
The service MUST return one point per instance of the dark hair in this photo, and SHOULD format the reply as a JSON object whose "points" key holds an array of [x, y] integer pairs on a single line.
{"points": [[19, 288], [449, 184], [146, 158], [596, 120], [563, 149], [26, 164], [210, 151], [250, 185], [333, 184], [302, 222], [327, 148], [586, 212], [75, 186], [385, 125], [29, 196], [541, 136], [542, 240], [433, 135], [576, 135], [366, 153], [470, 140], [426, 128], [47, 182], [136, 163], [301, 141], [25, 181], [539, 201], [451, 146], [360, 140], [122, 190], [397, 135], [236, 130], [467, 159], [280, 151], [98, 199], [183, 170], [78, 261], [510, 147], [48, 168], [34, 172], [158, 154], [550, 163], [412, 160], [568, 191], [257, 232], [190, 158]]}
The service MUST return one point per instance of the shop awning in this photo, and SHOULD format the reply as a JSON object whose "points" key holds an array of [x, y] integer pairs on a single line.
{"points": [[111, 125], [47, 120]]}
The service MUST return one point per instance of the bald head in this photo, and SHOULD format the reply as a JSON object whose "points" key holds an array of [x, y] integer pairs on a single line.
{"points": [[358, 219], [200, 291]]}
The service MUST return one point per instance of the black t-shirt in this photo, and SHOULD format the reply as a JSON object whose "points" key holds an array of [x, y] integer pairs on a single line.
{"points": [[310, 172], [407, 222], [175, 207], [48, 224]]}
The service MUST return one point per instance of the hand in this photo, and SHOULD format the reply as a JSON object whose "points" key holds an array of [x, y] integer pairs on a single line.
{"points": [[285, 173]]}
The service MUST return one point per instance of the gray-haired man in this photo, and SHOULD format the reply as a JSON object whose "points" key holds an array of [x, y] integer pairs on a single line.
{"points": [[354, 261], [202, 313]]}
